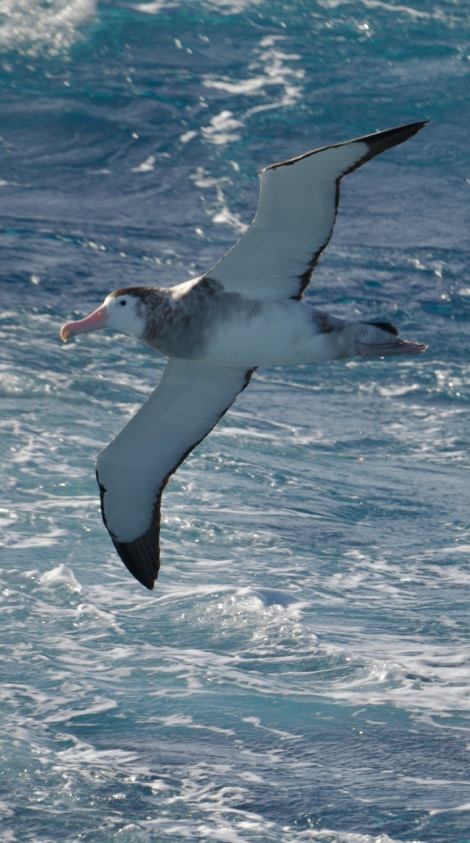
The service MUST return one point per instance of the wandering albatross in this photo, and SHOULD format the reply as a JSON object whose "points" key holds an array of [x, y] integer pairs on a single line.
{"points": [[247, 311]]}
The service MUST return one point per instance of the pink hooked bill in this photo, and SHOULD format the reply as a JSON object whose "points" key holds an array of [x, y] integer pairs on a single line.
{"points": [[93, 322]]}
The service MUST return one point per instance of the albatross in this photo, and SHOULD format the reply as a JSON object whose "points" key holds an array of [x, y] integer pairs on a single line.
{"points": [[215, 330]]}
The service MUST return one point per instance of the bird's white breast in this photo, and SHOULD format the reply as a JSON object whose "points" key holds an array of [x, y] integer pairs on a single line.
{"points": [[269, 333]]}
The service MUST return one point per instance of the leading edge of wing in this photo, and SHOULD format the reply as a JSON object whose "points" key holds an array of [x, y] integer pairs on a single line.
{"points": [[377, 142], [294, 221], [133, 470]]}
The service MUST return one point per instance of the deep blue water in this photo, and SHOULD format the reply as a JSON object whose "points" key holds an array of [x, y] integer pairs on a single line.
{"points": [[302, 670]]}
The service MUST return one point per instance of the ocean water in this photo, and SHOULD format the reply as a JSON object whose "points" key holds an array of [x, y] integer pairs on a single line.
{"points": [[302, 670]]}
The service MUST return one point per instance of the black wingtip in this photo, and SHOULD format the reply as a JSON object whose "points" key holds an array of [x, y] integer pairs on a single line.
{"points": [[141, 559], [142, 555], [395, 136], [379, 142]]}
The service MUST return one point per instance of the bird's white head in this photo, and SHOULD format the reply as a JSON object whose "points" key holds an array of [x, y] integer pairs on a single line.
{"points": [[121, 310]]}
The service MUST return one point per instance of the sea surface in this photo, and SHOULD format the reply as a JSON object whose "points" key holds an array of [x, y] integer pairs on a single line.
{"points": [[302, 670]]}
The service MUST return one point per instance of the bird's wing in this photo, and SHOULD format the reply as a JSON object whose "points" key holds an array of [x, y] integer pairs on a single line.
{"points": [[297, 208], [135, 467]]}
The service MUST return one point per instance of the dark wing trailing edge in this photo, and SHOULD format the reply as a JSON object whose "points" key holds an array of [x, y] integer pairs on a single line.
{"points": [[134, 469], [296, 213]]}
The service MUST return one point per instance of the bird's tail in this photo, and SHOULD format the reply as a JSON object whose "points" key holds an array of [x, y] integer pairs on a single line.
{"points": [[380, 339]]}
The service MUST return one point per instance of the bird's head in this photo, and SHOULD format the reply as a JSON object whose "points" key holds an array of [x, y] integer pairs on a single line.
{"points": [[121, 310]]}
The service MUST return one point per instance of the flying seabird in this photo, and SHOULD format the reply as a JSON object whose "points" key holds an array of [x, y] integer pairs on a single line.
{"points": [[247, 311]]}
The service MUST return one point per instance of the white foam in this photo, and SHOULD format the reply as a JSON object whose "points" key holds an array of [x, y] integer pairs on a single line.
{"points": [[146, 167], [60, 575], [223, 128], [34, 27]]}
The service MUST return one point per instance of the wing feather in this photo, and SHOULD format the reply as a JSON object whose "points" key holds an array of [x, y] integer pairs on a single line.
{"points": [[296, 213], [133, 469]]}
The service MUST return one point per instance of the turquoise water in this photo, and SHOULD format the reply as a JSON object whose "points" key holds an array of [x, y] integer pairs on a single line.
{"points": [[301, 671]]}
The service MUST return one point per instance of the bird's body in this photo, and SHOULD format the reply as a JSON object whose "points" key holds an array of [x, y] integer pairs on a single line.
{"points": [[244, 313], [199, 320]]}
